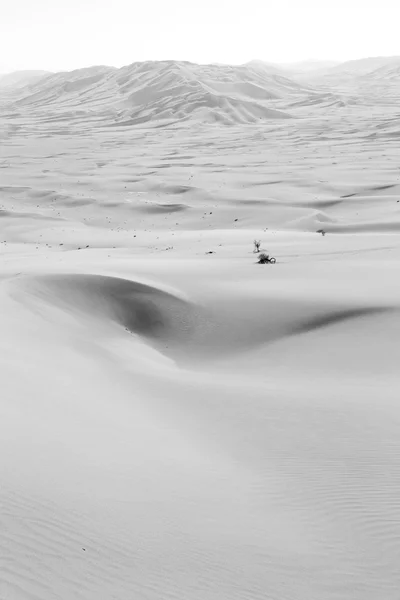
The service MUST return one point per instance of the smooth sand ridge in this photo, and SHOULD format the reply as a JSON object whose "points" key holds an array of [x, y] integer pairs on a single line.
{"points": [[184, 329]]}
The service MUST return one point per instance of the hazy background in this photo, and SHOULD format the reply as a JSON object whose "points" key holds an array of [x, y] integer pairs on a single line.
{"points": [[57, 35]]}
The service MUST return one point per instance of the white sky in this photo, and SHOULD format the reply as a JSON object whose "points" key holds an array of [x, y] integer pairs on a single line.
{"points": [[68, 34]]}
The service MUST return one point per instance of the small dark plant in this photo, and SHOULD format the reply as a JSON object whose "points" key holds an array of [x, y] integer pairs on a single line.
{"points": [[321, 231], [266, 259], [257, 245]]}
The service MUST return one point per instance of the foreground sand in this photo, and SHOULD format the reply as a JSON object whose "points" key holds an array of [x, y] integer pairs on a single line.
{"points": [[184, 425]]}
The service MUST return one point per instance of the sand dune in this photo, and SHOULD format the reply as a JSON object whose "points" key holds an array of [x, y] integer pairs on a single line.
{"points": [[186, 330], [365, 66], [177, 420], [154, 91], [19, 79], [369, 81]]}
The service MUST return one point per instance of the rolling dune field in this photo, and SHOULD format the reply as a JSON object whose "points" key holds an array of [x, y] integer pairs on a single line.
{"points": [[177, 421]]}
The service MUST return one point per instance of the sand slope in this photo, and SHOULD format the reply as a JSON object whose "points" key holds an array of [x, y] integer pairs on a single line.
{"points": [[177, 421]]}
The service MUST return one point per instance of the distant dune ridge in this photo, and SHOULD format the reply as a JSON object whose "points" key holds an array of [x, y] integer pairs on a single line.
{"points": [[21, 78], [366, 72], [365, 65], [162, 91]]}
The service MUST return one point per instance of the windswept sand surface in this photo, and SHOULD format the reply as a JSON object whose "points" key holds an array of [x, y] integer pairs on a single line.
{"points": [[182, 425]]}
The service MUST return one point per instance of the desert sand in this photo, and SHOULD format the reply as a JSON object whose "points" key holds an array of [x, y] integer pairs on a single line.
{"points": [[177, 421]]}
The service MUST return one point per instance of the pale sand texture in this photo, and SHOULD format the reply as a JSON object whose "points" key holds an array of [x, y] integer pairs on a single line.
{"points": [[191, 426]]}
